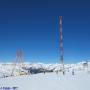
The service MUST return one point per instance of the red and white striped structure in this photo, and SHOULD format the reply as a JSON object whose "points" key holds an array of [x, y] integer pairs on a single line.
{"points": [[61, 41], [18, 62], [19, 56]]}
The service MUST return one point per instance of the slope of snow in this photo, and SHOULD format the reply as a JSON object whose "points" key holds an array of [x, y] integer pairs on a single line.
{"points": [[49, 81]]}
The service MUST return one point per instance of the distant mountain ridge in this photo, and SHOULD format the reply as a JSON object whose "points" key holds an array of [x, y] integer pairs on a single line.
{"points": [[34, 68]]}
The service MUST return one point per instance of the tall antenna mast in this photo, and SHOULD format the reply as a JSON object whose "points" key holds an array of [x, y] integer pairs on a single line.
{"points": [[61, 42]]}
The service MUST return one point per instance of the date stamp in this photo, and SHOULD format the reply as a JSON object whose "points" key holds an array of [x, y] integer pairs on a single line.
{"points": [[8, 88]]}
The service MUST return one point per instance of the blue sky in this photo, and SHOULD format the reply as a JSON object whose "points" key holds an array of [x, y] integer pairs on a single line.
{"points": [[33, 27]]}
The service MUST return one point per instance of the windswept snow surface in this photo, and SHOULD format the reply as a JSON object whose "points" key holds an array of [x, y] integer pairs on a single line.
{"points": [[49, 81]]}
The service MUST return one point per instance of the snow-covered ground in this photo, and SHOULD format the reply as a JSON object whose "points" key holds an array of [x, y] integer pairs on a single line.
{"points": [[49, 80]]}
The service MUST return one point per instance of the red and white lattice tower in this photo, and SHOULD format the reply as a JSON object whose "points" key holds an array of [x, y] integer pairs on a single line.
{"points": [[61, 42], [19, 56], [18, 62]]}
